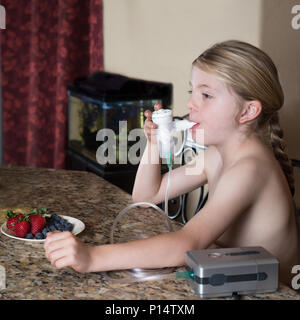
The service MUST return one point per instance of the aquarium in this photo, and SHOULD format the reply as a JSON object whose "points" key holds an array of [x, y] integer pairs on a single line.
{"points": [[103, 101]]}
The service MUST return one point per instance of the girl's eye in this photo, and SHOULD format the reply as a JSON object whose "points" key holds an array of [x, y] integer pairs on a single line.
{"points": [[207, 96]]}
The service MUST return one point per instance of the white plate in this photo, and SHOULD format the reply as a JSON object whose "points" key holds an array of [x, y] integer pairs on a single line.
{"points": [[78, 226]]}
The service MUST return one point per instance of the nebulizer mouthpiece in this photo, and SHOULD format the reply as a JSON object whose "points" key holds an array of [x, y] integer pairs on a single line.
{"points": [[163, 118]]}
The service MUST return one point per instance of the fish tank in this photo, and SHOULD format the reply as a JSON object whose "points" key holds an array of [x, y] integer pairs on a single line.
{"points": [[110, 101]]}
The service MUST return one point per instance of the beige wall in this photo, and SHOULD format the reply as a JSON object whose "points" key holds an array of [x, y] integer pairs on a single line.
{"points": [[158, 40]]}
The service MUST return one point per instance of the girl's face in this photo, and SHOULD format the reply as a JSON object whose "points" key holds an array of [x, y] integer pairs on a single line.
{"points": [[213, 107]]}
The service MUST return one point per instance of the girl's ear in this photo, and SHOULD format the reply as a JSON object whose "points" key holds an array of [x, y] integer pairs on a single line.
{"points": [[251, 110]]}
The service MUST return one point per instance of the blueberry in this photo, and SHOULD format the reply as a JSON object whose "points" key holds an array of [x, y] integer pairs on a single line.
{"points": [[39, 236], [57, 225], [52, 228], [48, 219], [54, 218], [69, 227], [29, 236], [44, 232], [64, 222]]}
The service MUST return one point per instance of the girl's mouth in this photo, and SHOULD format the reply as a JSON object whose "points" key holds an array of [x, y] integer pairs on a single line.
{"points": [[195, 126]]}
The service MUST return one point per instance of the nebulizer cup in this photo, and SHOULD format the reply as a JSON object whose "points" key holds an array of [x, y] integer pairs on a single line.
{"points": [[164, 120], [166, 127]]}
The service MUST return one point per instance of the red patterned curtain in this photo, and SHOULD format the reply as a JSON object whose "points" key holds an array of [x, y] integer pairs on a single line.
{"points": [[45, 46]]}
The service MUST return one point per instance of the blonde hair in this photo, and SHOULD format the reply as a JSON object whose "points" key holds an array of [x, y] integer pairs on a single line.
{"points": [[252, 75]]}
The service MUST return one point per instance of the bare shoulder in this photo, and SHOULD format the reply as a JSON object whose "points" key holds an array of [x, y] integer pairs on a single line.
{"points": [[247, 166], [238, 185], [233, 191], [246, 176]]}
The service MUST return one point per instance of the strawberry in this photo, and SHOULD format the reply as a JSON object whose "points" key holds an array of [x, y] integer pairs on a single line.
{"points": [[12, 219], [11, 222], [37, 222], [20, 216], [22, 227]]}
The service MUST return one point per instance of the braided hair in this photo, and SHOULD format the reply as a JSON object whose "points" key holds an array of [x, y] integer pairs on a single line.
{"points": [[278, 145]]}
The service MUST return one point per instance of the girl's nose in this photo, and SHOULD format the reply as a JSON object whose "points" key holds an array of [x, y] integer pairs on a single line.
{"points": [[190, 104]]}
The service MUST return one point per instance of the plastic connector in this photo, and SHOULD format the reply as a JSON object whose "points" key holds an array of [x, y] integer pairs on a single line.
{"points": [[169, 160], [185, 275]]}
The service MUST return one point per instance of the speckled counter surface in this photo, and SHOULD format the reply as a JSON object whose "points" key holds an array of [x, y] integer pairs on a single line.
{"points": [[96, 202]]}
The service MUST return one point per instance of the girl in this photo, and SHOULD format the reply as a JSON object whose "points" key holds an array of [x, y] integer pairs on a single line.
{"points": [[235, 98]]}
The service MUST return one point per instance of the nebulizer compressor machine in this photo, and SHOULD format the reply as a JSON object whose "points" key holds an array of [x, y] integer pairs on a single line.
{"points": [[210, 272]]}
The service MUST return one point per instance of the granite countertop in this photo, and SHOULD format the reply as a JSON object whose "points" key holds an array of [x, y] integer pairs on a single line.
{"points": [[96, 202]]}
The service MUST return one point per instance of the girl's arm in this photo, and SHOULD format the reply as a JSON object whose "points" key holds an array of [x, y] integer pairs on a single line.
{"points": [[148, 177], [150, 185], [235, 193], [63, 249]]}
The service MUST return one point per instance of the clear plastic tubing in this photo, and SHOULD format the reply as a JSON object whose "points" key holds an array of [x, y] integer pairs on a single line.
{"points": [[164, 120], [138, 274]]}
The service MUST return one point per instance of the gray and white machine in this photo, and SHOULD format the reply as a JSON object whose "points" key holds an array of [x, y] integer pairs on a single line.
{"points": [[224, 272]]}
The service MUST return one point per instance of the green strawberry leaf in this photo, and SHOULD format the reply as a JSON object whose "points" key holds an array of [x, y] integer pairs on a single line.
{"points": [[36, 211], [43, 210], [26, 218], [10, 214]]}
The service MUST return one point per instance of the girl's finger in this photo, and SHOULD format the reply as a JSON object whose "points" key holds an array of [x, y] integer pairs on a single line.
{"points": [[57, 235], [157, 106], [150, 124], [148, 114], [63, 262], [55, 245], [52, 243], [57, 254]]}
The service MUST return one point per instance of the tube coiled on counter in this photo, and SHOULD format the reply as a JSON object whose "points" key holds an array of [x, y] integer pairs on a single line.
{"points": [[139, 274]]}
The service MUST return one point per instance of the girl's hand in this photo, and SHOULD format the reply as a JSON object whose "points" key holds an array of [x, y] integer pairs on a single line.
{"points": [[150, 126], [63, 249]]}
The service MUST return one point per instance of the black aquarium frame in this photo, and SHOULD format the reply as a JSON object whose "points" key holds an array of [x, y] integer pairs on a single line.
{"points": [[106, 87]]}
